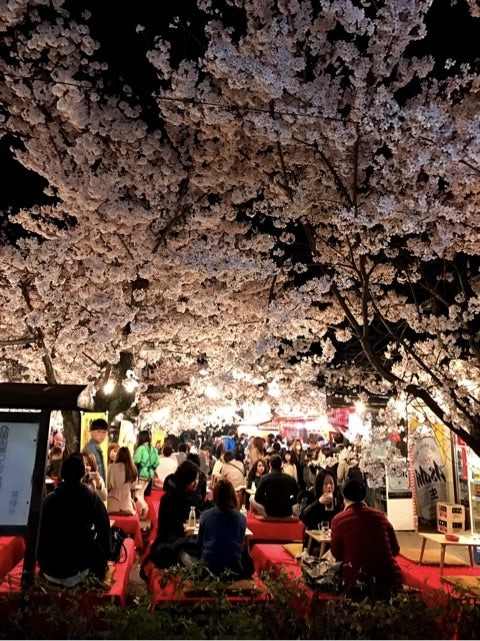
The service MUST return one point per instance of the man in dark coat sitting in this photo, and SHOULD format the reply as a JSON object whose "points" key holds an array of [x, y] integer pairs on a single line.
{"points": [[276, 492], [74, 538]]}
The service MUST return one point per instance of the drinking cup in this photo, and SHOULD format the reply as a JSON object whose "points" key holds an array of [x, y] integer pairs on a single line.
{"points": [[324, 526]]}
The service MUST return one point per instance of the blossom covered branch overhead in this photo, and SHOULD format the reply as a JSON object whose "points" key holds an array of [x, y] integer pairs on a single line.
{"points": [[284, 190]]}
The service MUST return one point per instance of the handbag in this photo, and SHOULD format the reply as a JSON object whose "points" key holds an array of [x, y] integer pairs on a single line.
{"points": [[323, 575], [118, 551]]}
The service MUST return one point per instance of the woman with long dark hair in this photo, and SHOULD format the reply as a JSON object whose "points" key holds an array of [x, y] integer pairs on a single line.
{"points": [[180, 496], [256, 472], [328, 501], [121, 481], [221, 535]]}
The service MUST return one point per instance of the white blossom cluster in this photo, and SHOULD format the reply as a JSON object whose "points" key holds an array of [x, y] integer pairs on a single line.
{"points": [[267, 210]]}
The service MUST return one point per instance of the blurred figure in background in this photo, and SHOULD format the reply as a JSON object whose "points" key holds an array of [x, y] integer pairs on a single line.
{"points": [[167, 464]]}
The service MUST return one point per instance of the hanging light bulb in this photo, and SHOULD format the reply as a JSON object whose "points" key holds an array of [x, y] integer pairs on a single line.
{"points": [[130, 382], [109, 387]]}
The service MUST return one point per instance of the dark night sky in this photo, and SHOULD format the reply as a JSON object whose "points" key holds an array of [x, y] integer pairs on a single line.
{"points": [[451, 34]]}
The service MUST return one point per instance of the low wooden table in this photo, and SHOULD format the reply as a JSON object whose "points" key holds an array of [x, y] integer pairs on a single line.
{"points": [[466, 540], [193, 530], [320, 537]]}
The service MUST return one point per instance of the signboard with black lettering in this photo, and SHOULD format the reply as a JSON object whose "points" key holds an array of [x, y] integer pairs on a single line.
{"points": [[430, 478], [18, 450]]}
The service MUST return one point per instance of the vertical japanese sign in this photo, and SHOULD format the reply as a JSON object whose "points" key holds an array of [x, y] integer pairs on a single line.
{"points": [[430, 478], [18, 447]]}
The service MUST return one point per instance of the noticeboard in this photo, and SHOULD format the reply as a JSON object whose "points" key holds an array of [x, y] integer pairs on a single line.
{"points": [[19, 433]]}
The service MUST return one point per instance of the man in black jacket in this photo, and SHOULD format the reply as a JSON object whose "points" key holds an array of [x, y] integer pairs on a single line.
{"points": [[74, 538], [276, 492]]}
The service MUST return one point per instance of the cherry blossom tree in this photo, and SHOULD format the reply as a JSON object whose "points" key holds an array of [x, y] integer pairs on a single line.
{"points": [[269, 192]]}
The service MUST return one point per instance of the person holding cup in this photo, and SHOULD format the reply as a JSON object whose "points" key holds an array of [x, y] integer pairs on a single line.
{"points": [[328, 502]]}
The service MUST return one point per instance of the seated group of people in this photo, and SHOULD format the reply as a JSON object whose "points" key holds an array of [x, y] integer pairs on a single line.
{"points": [[220, 543], [75, 532], [362, 538]]}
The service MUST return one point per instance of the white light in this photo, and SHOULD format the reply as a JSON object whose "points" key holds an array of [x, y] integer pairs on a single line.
{"points": [[359, 407], [203, 372], [109, 387], [130, 385]]}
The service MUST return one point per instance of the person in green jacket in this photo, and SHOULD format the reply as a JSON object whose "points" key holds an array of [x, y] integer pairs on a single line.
{"points": [[146, 460]]}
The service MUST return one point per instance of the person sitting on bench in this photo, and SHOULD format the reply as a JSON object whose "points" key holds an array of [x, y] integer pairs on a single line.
{"points": [[221, 534], [276, 492], [74, 538]]}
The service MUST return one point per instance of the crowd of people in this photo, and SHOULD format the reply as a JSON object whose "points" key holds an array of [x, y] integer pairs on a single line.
{"points": [[270, 476]]}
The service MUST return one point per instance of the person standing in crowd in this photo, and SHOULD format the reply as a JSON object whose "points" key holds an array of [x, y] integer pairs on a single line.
{"points": [[146, 460], [289, 466], [74, 537], [221, 534], [364, 540], [312, 456], [256, 451], [217, 468], [297, 448], [121, 482], [98, 433], [181, 453], [54, 463], [348, 468], [233, 470], [276, 492], [269, 443], [92, 477], [167, 464]]}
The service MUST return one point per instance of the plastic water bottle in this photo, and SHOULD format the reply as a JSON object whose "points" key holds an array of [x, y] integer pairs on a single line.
{"points": [[192, 517]]}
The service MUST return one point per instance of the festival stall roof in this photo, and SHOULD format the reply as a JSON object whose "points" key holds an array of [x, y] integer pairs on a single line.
{"points": [[39, 396]]}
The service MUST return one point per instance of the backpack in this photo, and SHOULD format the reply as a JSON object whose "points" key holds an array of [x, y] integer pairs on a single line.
{"points": [[118, 551]]}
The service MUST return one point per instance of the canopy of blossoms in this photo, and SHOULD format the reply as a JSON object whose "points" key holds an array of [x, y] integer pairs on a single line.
{"points": [[244, 193]]}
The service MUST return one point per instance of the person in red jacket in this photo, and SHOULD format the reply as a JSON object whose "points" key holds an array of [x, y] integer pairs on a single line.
{"points": [[365, 541]]}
